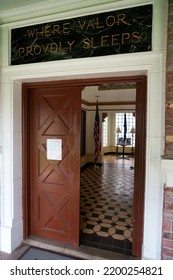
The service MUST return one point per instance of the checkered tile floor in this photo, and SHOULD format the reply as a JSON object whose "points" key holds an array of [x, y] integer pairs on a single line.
{"points": [[106, 206]]}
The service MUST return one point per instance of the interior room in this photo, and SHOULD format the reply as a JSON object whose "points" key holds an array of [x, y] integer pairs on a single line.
{"points": [[107, 187]]}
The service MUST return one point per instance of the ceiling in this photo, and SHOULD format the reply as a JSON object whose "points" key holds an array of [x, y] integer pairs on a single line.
{"points": [[90, 94]]}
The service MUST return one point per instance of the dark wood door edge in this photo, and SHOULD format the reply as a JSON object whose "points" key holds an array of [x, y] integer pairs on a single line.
{"points": [[140, 150]]}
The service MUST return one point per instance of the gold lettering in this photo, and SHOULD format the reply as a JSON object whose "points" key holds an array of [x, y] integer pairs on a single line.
{"points": [[97, 24], [29, 51], [87, 43], [70, 44], [37, 49], [46, 31], [21, 51], [90, 24], [31, 33], [40, 33], [60, 46], [115, 39], [104, 41], [45, 49], [120, 18], [81, 25], [136, 37], [54, 47], [125, 36], [92, 43], [56, 29], [110, 20], [66, 28]]}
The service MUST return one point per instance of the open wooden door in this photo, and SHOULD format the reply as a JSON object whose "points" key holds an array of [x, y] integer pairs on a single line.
{"points": [[54, 183], [51, 192], [140, 161]]}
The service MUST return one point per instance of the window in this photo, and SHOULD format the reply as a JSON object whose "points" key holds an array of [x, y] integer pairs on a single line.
{"points": [[105, 131], [119, 128]]}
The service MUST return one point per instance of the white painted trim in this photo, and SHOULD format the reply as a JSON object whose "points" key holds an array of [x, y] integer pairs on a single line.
{"points": [[151, 64], [167, 167], [53, 8], [124, 65]]}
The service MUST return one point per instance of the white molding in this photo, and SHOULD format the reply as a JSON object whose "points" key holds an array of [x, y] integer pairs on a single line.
{"points": [[135, 64], [54, 9], [151, 64]]}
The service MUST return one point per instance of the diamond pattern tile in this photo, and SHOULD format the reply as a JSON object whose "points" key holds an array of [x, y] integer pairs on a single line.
{"points": [[107, 206]]}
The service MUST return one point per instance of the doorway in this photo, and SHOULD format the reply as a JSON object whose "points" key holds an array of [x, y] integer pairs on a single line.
{"points": [[107, 189], [139, 161]]}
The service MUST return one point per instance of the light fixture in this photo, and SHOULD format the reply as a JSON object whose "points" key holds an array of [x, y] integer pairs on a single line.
{"points": [[132, 131], [118, 130]]}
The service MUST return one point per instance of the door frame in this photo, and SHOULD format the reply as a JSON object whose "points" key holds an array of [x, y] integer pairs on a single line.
{"points": [[140, 148]]}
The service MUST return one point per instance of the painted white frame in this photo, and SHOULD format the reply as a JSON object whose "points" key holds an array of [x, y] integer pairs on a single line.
{"points": [[151, 64]]}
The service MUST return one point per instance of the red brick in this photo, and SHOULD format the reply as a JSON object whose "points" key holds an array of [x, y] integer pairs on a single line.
{"points": [[169, 131], [166, 258], [167, 243], [168, 197], [169, 95], [169, 64], [169, 73], [168, 155], [170, 55], [169, 112], [167, 225], [169, 190], [168, 123], [169, 88], [170, 9], [169, 147], [170, 35], [167, 252], [168, 202], [168, 235], [170, 18], [168, 206], [167, 215], [169, 78]]}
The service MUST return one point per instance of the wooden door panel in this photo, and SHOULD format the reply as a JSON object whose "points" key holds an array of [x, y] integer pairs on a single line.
{"points": [[47, 123], [55, 184]]}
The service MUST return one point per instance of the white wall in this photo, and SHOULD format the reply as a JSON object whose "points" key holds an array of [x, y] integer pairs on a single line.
{"points": [[152, 64]]}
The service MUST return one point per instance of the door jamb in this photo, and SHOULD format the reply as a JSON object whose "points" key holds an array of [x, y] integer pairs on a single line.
{"points": [[140, 148]]}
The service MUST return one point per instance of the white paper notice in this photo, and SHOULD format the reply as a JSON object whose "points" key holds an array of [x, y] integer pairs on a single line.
{"points": [[54, 149]]}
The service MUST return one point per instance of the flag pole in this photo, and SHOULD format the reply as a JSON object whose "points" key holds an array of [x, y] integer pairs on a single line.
{"points": [[96, 133]]}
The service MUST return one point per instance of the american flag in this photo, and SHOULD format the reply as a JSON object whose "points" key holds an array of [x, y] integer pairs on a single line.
{"points": [[125, 128], [97, 139]]}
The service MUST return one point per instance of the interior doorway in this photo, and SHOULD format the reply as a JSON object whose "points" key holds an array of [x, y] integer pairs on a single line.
{"points": [[107, 191], [138, 164], [139, 171]]}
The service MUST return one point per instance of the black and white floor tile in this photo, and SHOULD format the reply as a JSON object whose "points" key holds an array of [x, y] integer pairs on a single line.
{"points": [[107, 206]]}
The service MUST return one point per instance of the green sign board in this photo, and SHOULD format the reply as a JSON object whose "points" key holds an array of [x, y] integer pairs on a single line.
{"points": [[110, 33]]}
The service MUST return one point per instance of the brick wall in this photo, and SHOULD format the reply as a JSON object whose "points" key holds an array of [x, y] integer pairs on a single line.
{"points": [[169, 87], [167, 238], [167, 229]]}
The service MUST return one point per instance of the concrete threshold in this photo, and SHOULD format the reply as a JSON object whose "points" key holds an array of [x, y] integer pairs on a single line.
{"points": [[81, 252]]}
